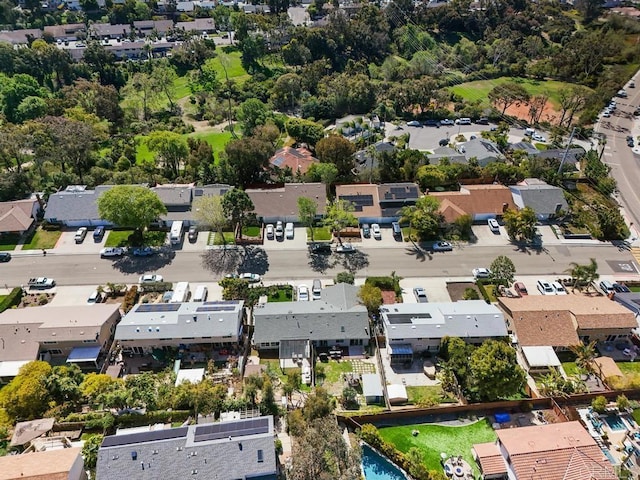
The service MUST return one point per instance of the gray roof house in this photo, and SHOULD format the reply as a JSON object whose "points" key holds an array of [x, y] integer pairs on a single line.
{"points": [[418, 327], [106, 30], [546, 200], [280, 202], [336, 319], [367, 159], [237, 449], [446, 152], [149, 326], [485, 151], [631, 300]]}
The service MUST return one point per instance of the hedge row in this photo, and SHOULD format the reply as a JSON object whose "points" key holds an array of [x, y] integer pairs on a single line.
{"points": [[12, 299], [93, 420], [483, 291], [385, 283], [130, 298]]}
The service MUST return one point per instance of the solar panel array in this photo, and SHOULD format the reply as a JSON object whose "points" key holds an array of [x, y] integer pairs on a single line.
{"points": [[216, 431], [222, 302], [158, 307], [219, 308], [143, 437], [401, 193], [359, 201]]}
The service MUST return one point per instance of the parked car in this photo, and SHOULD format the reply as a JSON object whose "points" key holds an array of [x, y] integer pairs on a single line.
{"points": [[414, 123], [442, 247], [375, 231], [420, 294], [150, 278], [95, 297], [269, 231], [520, 288], [397, 231], [443, 142], [98, 233], [606, 286], [621, 288], [5, 256], [559, 288], [143, 252], [251, 277], [482, 121], [545, 288], [463, 121], [320, 248], [345, 248], [192, 234], [288, 230], [80, 235], [41, 282], [446, 121], [538, 138], [303, 293], [431, 123], [112, 252], [622, 93], [279, 230], [630, 142], [493, 225], [606, 113], [366, 230], [481, 272]]}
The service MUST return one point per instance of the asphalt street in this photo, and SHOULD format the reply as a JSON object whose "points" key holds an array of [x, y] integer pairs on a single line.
{"points": [[407, 261]]}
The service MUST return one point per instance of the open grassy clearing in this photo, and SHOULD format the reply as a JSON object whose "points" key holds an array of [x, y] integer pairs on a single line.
{"points": [[217, 140], [435, 439], [181, 85], [42, 239], [429, 395], [480, 89], [120, 238]]}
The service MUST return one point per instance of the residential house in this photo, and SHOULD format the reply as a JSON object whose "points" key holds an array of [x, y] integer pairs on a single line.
{"points": [[25, 432], [191, 326], [81, 333], [571, 157], [594, 318], [18, 216], [412, 328], [379, 203], [198, 25], [75, 206], [630, 300], [67, 32], [555, 451], [177, 199], [367, 159], [337, 319], [280, 202], [144, 28], [20, 37], [356, 126], [58, 464], [140, 50], [483, 150], [480, 202], [536, 327], [106, 30], [448, 153], [297, 159], [526, 147], [237, 449], [546, 200]]}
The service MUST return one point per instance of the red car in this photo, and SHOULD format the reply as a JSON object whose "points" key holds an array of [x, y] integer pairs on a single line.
{"points": [[520, 289]]}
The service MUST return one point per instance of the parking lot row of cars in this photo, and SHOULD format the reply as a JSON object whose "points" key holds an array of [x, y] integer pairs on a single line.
{"points": [[447, 121]]}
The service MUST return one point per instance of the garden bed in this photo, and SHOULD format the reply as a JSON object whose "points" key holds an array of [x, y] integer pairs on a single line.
{"points": [[456, 290]]}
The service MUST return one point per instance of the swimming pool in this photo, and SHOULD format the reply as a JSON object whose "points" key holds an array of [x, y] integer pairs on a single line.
{"points": [[376, 467], [615, 423]]}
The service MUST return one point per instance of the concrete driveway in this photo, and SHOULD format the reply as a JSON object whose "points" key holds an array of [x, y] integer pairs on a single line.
{"points": [[387, 240], [486, 237], [67, 244], [436, 289], [72, 296], [298, 242]]}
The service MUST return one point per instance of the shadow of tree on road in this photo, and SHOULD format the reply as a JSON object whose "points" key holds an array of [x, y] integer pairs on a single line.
{"points": [[421, 254], [254, 260], [140, 265], [320, 262], [221, 261], [355, 261]]}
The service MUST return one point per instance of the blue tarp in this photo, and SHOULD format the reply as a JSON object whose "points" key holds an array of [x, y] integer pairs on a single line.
{"points": [[502, 417], [84, 354]]}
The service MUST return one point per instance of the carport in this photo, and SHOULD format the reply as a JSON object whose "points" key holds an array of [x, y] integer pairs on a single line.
{"points": [[84, 355], [400, 353]]}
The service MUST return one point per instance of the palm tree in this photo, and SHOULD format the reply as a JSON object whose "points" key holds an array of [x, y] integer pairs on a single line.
{"points": [[578, 275], [592, 272], [407, 214], [585, 355]]}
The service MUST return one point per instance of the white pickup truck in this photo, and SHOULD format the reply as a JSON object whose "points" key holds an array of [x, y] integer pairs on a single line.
{"points": [[41, 282]]}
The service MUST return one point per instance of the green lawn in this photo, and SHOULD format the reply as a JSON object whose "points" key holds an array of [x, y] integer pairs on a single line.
{"points": [[634, 288], [636, 414], [435, 439], [282, 294], [217, 140], [182, 87], [481, 88], [8, 241], [251, 231], [629, 367], [42, 239], [320, 234], [120, 238], [216, 239], [333, 370], [428, 395], [235, 70], [491, 292]]}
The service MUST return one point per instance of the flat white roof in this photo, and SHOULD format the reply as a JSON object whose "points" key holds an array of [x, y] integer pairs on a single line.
{"points": [[371, 385], [541, 356], [397, 393], [11, 368], [192, 375]]}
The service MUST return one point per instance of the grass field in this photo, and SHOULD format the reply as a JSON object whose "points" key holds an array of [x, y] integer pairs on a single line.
{"points": [[42, 239], [235, 70], [217, 140], [227, 238], [8, 241], [182, 87], [120, 238], [479, 90], [435, 439], [250, 231], [282, 294]]}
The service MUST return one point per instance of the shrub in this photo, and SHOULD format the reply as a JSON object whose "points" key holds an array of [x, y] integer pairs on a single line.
{"points": [[483, 291], [470, 294], [12, 299], [150, 418], [130, 298], [345, 277], [156, 287], [599, 404], [390, 282]]}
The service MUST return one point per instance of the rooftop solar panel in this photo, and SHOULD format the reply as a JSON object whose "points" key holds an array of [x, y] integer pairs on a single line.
{"points": [[158, 307], [216, 431], [222, 302], [218, 308], [144, 437]]}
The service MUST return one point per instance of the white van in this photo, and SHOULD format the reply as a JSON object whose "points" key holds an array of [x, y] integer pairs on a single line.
{"points": [[288, 230], [463, 121], [181, 293], [201, 294], [529, 132], [316, 290], [175, 236]]}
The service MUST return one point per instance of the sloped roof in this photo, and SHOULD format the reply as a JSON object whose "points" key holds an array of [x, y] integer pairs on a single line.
{"points": [[342, 295], [541, 197], [50, 465], [490, 459], [485, 151], [475, 200], [297, 159], [607, 366], [24, 432], [16, 216], [544, 328], [283, 200]]}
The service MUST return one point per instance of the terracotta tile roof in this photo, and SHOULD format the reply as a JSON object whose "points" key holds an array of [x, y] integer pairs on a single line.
{"points": [[544, 328], [297, 159], [490, 459], [557, 451], [368, 208], [476, 199], [47, 465], [589, 312]]}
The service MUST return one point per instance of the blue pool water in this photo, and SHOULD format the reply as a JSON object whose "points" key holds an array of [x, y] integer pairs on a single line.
{"points": [[614, 422], [377, 467]]}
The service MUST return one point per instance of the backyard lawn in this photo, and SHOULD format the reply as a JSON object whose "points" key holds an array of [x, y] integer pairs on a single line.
{"points": [[436, 439], [333, 370], [428, 395], [282, 293], [8, 241], [320, 234], [629, 367], [251, 231], [42, 239]]}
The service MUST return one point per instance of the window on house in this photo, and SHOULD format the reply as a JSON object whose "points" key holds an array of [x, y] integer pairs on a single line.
{"points": [[55, 351], [49, 343], [260, 456]]}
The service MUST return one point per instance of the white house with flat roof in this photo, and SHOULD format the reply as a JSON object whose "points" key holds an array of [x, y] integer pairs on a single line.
{"points": [[417, 327]]}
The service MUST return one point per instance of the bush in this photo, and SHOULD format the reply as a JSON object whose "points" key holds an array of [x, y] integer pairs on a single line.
{"points": [[150, 418], [386, 283], [12, 299], [599, 404], [470, 294], [156, 287], [345, 277], [483, 291], [130, 298]]}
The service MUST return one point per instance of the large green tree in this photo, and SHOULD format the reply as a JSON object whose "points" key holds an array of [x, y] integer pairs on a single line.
{"points": [[246, 160], [494, 371], [131, 206], [27, 396], [509, 93], [236, 205], [171, 148], [371, 297], [520, 224], [339, 215], [424, 217], [209, 213], [337, 150], [502, 271], [307, 212]]}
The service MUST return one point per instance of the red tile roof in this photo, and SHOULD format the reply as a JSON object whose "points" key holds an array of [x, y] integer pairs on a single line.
{"points": [[297, 159], [490, 459], [475, 199]]}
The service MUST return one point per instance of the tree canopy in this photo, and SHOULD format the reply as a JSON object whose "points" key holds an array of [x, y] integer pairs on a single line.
{"points": [[130, 206]]}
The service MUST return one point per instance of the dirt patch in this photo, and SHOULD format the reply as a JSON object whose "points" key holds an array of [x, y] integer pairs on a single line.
{"points": [[549, 113], [456, 290], [389, 297], [36, 299]]}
